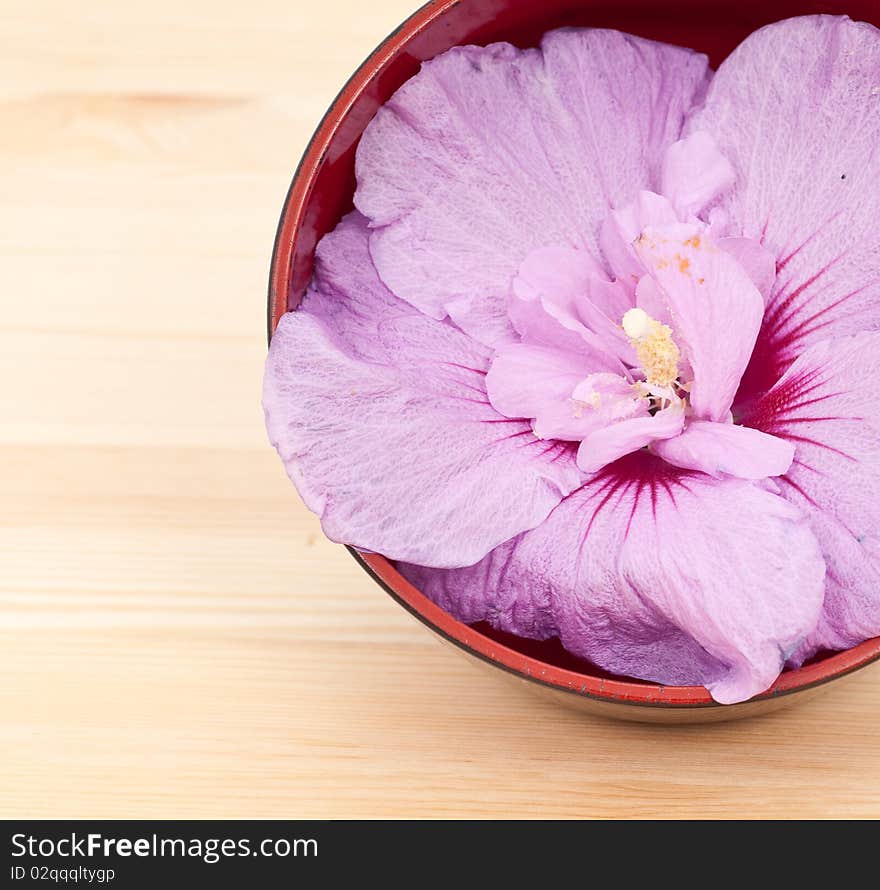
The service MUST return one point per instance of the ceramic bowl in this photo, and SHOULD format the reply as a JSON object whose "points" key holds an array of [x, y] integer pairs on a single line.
{"points": [[321, 192]]}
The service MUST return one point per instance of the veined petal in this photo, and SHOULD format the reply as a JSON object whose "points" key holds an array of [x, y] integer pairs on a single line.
{"points": [[695, 173], [613, 441], [597, 401], [826, 405], [486, 592], [525, 378], [651, 299], [559, 275], [571, 287], [491, 152], [796, 110], [622, 227], [657, 573], [714, 307], [343, 269], [758, 262], [397, 449], [726, 449]]}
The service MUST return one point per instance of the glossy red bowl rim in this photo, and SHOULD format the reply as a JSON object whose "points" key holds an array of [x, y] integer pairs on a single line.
{"points": [[382, 570]]}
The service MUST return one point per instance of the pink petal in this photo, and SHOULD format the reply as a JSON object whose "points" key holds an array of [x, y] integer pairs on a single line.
{"points": [[715, 310], [552, 387], [758, 262], [595, 402], [608, 443], [826, 405], [397, 449], [547, 326], [474, 594], [796, 109], [343, 266], [561, 275], [491, 152], [622, 228], [695, 173], [656, 573], [526, 380], [650, 297], [725, 449], [544, 308], [571, 287], [614, 298]]}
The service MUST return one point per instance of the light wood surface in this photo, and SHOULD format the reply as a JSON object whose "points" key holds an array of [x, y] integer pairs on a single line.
{"points": [[177, 637]]}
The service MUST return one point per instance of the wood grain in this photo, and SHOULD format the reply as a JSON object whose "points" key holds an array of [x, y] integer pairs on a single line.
{"points": [[177, 638]]}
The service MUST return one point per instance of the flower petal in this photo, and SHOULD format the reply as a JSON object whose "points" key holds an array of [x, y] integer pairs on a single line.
{"points": [[525, 379], [796, 109], [622, 228], [596, 402], [758, 262], [826, 405], [343, 268], [491, 152], [715, 311], [725, 449], [560, 275], [608, 443], [656, 573], [485, 592], [695, 173], [398, 451], [571, 287]]}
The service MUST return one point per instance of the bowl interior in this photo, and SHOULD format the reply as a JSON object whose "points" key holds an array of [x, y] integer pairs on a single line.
{"points": [[321, 193]]}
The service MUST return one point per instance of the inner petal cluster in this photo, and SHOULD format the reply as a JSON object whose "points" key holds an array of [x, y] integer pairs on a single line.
{"points": [[629, 362]]}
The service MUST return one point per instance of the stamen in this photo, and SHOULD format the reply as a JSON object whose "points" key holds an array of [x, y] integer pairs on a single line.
{"points": [[635, 323], [655, 348]]}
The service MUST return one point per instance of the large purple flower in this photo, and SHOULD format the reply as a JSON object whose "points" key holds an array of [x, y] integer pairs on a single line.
{"points": [[597, 354]]}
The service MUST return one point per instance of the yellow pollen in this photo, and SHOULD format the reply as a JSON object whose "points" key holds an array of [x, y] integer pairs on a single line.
{"points": [[655, 349]]}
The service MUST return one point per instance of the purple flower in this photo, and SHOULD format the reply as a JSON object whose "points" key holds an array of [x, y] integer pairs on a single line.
{"points": [[597, 354]]}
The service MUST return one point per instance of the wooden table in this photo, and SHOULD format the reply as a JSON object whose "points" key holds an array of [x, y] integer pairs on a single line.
{"points": [[177, 638]]}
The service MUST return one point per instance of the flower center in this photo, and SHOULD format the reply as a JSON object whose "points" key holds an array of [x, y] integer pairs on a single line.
{"points": [[655, 349]]}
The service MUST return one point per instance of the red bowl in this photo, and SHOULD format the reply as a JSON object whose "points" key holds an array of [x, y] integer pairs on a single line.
{"points": [[321, 192]]}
